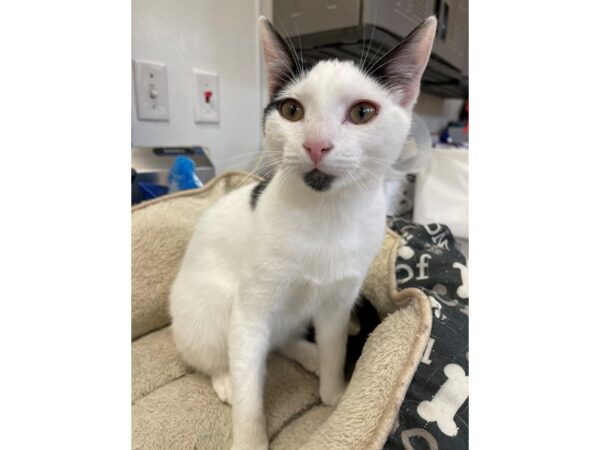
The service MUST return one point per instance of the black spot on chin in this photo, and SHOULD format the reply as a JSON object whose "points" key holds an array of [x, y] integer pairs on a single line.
{"points": [[256, 192], [318, 181]]}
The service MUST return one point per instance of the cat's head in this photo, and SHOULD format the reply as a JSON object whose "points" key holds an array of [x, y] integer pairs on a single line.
{"points": [[339, 124]]}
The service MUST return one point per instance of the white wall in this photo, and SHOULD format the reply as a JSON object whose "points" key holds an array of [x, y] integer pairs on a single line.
{"points": [[437, 112], [212, 35], [222, 37]]}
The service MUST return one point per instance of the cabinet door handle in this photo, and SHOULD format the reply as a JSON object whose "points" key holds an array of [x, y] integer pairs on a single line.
{"points": [[442, 13], [331, 4]]}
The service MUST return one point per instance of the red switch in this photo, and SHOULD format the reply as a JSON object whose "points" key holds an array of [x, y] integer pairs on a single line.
{"points": [[207, 96]]}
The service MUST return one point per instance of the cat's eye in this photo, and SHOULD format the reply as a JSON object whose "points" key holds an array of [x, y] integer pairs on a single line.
{"points": [[291, 110], [362, 112]]}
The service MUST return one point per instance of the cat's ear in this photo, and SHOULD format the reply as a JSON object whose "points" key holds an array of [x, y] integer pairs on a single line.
{"points": [[403, 66], [281, 65]]}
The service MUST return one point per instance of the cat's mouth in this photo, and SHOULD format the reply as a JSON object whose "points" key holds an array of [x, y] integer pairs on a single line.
{"points": [[318, 181]]}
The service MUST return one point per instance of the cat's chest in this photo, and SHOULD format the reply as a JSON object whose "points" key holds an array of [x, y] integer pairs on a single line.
{"points": [[321, 257], [320, 243]]}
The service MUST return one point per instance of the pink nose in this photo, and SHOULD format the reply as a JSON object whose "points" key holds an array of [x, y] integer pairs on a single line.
{"points": [[316, 148]]}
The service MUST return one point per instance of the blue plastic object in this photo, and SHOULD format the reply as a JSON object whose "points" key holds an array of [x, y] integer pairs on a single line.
{"points": [[183, 175]]}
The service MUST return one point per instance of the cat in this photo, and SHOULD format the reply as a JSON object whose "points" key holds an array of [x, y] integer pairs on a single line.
{"points": [[269, 258]]}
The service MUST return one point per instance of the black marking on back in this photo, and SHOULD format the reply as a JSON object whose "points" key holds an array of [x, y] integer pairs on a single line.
{"points": [[256, 192], [318, 181]]}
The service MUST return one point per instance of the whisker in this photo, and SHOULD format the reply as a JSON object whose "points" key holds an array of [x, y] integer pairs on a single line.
{"points": [[246, 154], [271, 164], [372, 31], [287, 38], [368, 69], [300, 44], [362, 51]]}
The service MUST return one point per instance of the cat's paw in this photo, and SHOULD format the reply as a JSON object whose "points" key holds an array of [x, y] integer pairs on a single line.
{"points": [[256, 443], [304, 353], [310, 358], [244, 446], [330, 396], [223, 387]]}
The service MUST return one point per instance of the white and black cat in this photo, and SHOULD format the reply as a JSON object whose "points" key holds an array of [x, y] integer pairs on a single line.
{"points": [[269, 258]]}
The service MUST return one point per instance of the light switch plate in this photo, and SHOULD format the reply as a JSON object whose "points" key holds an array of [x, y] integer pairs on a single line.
{"points": [[151, 90], [206, 96]]}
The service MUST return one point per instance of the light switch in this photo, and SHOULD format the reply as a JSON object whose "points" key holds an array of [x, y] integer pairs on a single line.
{"points": [[151, 90], [206, 97]]}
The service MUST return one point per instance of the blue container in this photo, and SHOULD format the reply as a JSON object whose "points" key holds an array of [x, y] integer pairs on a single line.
{"points": [[151, 190]]}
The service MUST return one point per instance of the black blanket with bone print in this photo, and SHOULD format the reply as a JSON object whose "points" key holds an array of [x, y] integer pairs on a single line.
{"points": [[434, 414]]}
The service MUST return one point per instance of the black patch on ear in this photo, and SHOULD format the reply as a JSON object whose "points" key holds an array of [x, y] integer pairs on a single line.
{"points": [[256, 192], [295, 68], [318, 181], [380, 71], [295, 64]]}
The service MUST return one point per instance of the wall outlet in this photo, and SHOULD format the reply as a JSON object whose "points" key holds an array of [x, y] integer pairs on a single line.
{"points": [[206, 97], [151, 90]]}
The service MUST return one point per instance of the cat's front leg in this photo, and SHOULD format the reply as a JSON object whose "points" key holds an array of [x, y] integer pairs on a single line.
{"points": [[248, 349], [331, 327]]}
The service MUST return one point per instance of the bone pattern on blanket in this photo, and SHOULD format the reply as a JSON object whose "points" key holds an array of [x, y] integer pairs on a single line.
{"points": [[463, 290], [448, 399]]}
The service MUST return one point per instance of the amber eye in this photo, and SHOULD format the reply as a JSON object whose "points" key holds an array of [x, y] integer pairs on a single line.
{"points": [[291, 110], [362, 112]]}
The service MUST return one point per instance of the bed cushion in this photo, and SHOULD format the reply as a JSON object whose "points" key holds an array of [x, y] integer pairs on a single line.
{"points": [[176, 408], [160, 231]]}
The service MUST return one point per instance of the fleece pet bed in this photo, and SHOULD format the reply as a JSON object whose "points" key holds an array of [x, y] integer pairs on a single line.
{"points": [[176, 408]]}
